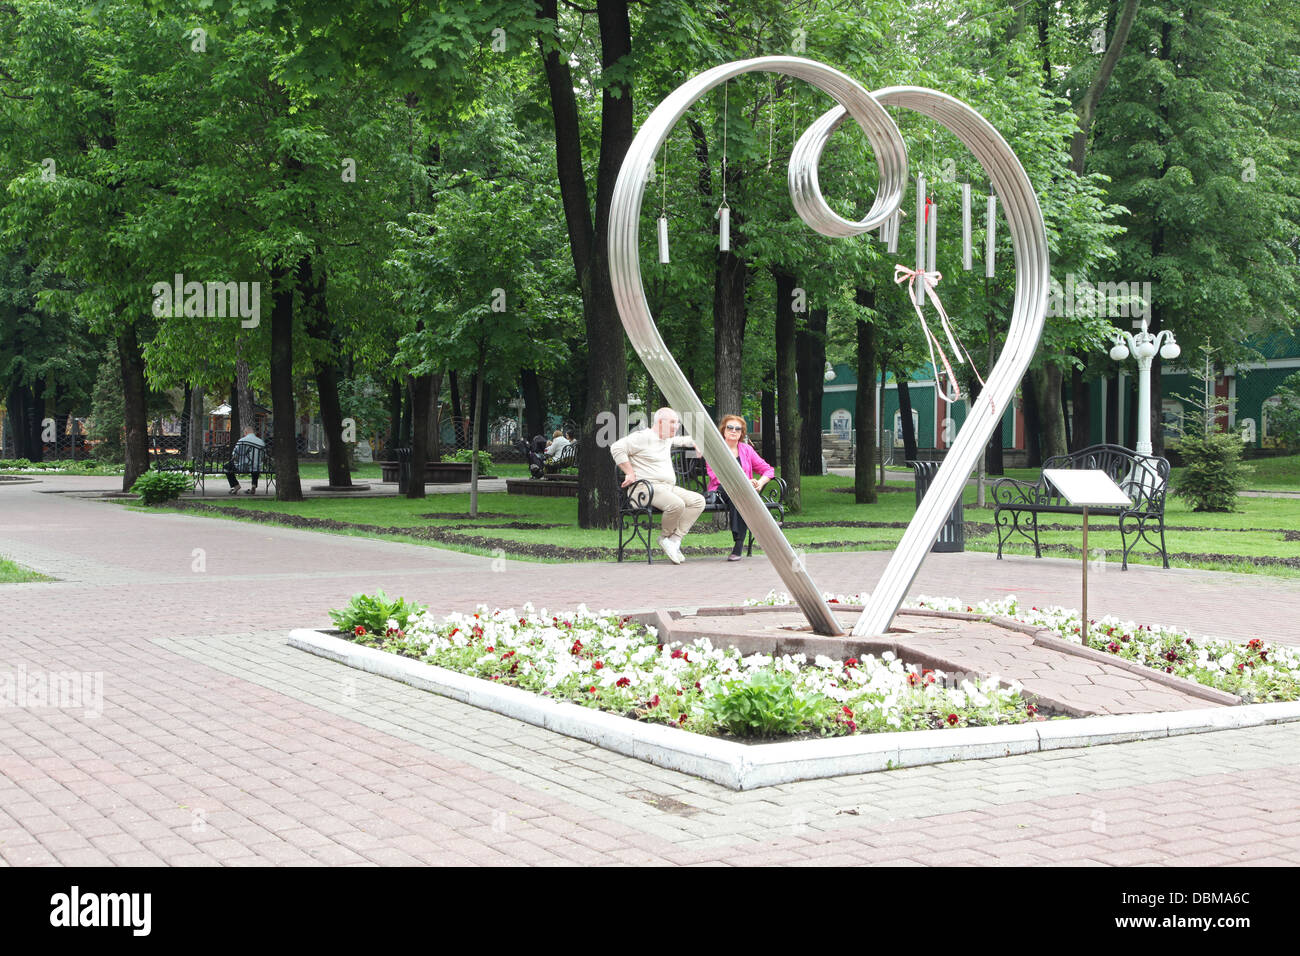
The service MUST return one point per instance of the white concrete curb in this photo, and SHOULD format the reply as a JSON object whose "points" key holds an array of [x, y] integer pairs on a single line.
{"points": [[746, 766]]}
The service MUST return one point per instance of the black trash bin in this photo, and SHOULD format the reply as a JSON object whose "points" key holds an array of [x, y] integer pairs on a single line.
{"points": [[403, 458], [952, 536]]}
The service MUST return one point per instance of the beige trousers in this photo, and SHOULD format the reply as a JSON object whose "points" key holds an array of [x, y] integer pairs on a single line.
{"points": [[680, 507]]}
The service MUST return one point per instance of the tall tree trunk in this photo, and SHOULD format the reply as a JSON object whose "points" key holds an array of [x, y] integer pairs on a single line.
{"points": [[1081, 433], [787, 388], [288, 486], [729, 318], [606, 378], [185, 424], [232, 420], [864, 413], [194, 448], [810, 345], [243, 393], [136, 444], [1029, 405], [767, 401], [534, 405], [326, 371], [905, 416], [420, 386], [1046, 384]]}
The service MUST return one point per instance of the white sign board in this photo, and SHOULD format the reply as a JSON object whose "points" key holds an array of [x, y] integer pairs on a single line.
{"points": [[1087, 487]]}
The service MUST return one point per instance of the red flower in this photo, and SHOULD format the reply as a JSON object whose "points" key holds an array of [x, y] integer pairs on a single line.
{"points": [[681, 720], [1169, 670], [359, 631], [454, 631], [952, 720], [1254, 644], [851, 662], [598, 665], [686, 657], [833, 601], [911, 680], [514, 667], [677, 652], [522, 621], [697, 685], [507, 654], [654, 701], [1113, 647], [591, 689], [853, 728], [623, 682], [1031, 709], [491, 649], [847, 712], [576, 649]]}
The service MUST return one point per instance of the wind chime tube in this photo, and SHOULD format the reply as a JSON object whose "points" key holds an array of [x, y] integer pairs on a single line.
{"points": [[933, 244], [965, 227], [663, 238], [724, 229], [990, 235], [920, 222]]}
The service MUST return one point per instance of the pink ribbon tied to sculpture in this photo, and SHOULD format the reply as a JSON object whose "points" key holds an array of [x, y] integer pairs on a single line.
{"points": [[928, 281]]}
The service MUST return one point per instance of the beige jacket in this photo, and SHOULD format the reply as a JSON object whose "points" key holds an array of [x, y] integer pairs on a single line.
{"points": [[650, 456]]}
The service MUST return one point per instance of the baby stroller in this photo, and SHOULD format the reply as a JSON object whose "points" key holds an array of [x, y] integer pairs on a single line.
{"points": [[533, 455]]}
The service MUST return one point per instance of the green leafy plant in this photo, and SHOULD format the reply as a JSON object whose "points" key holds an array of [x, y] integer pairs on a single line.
{"points": [[766, 704], [373, 612], [466, 454], [156, 487]]}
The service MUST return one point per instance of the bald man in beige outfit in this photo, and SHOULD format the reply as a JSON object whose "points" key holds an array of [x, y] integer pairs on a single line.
{"points": [[647, 454]]}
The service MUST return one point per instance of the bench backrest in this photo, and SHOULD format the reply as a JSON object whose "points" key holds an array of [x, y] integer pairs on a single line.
{"points": [[1144, 478], [247, 457]]}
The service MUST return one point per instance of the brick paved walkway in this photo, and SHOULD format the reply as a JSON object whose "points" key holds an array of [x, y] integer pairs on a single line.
{"points": [[219, 744]]}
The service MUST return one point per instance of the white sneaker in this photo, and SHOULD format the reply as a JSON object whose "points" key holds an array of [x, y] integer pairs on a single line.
{"points": [[671, 548]]}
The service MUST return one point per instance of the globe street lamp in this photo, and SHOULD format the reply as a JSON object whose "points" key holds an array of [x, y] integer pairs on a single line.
{"points": [[1143, 347]]}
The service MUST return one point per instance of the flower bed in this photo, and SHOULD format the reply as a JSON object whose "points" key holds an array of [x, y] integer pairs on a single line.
{"points": [[611, 663], [1255, 671]]}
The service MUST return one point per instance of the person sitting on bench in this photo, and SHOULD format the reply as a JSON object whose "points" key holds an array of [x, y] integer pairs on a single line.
{"points": [[250, 441], [755, 468], [647, 454]]}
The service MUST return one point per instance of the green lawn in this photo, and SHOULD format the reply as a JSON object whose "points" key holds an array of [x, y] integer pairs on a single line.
{"points": [[11, 573], [531, 528]]}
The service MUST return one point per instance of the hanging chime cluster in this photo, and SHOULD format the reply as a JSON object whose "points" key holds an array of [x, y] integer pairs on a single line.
{"points": [[925, 273]]}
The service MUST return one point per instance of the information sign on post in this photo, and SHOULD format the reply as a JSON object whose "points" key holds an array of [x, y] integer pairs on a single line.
{"points": [[1086, 488]]}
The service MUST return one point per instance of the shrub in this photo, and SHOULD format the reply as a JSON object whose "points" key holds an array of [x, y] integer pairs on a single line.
{"points": [[373, 612], [766, 704], [1214, 474], [156, 487], [466, 454]]}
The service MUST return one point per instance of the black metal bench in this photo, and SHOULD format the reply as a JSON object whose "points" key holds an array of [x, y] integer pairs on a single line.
{"points": [[636, 505], [243, 459], [566, 458], [1144, 478]]}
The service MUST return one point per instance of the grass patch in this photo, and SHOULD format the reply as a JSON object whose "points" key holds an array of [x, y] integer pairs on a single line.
{"points": [[13, 573], [1259, 538]]}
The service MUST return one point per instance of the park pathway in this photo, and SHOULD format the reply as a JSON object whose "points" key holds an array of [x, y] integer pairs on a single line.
{"points": [[218, 744]]}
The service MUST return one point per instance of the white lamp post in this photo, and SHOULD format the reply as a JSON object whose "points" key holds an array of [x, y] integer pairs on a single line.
{"points": [[1143, 347]]}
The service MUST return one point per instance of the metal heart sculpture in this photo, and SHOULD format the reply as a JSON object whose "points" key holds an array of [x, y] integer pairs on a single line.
{"points": [[1029, 243]]}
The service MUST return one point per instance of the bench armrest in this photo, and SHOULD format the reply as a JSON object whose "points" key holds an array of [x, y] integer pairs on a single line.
{"points": [[1014, 492]]}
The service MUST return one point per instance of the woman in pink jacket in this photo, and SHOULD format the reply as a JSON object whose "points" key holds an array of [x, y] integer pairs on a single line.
{"points": [[755, 468]]}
